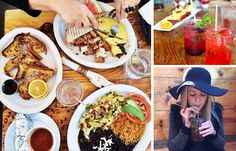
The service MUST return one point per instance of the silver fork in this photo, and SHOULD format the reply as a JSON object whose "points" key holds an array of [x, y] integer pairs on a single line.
{"points": [[115, 28]]}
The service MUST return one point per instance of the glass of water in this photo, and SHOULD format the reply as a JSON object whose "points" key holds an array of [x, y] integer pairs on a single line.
{"points": [[228, 18], [139, 65], [69, 92]]}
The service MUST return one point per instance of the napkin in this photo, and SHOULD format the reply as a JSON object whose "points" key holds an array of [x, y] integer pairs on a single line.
{"points": [[146, 12]]}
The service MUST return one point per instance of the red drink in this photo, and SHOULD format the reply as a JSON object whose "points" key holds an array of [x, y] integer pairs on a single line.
{"points": [[218, 46], [205, 1], [205, 4], [194, 42]]}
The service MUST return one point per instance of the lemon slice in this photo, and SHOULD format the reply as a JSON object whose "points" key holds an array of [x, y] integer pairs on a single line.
{"points": [[166, 25], [38, 89]]}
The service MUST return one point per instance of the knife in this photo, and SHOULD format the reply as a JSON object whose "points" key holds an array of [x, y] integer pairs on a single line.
{"points": [[107, 33], [96, 79]]}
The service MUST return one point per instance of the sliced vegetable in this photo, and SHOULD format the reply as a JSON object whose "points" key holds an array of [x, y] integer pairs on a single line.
{"points": [[133, 110], [144, 106], [132, 102]]}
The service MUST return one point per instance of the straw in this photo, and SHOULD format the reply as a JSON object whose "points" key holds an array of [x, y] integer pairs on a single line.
{"points": [[216, 17], [81, 102], [194, 17]]}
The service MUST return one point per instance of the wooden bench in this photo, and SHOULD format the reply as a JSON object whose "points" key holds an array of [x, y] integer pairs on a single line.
{"points": [[166, 77]]}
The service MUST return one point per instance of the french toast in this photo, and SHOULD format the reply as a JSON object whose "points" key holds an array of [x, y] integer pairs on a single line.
{"points": [[23, 53], [32, 73], [24, 41], [26, 58], [180, 13]]}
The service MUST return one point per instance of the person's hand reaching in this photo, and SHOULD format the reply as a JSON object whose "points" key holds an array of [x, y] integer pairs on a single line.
{"points": [[185, 113], [121, 5], [75, 13]]}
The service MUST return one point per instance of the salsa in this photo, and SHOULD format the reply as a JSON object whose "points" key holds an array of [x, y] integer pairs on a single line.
{"points": [[41, 140]]}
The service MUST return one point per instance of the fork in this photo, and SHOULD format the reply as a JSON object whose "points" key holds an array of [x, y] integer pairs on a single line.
{"points": [[112, 14], [97, 79]]}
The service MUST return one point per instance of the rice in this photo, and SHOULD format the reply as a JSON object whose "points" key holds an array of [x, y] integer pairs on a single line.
{"points": [[126, 130]]}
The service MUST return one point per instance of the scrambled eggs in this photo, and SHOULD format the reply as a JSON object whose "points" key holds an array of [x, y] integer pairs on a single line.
{"points": [[101, 114]]}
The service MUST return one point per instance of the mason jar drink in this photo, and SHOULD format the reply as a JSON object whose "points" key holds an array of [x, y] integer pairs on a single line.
{"points": [[194, 42], [218, 46], [195, 133]]}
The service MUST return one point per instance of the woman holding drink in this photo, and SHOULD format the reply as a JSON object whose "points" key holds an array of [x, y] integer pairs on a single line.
{"points": [[196, 124]]}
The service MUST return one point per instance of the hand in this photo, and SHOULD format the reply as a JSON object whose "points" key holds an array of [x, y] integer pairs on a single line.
{"points": [[75, 13], [185, 113], [207, 129], [121, 5]]}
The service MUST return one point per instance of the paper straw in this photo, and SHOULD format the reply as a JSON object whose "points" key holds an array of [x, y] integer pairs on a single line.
{"points": [[216, 17], [194, 17]]}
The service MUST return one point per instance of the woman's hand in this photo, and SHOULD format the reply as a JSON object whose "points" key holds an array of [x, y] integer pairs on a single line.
{"points": [[207, 129], [185, 113], [75, 13], [121, 5]]}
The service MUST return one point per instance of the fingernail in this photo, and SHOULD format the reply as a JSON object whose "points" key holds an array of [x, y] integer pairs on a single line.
{"points": [[96, 26]]}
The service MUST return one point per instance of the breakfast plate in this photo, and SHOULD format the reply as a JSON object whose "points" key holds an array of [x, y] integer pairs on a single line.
{"points": [[193, 13], [39, 120], [73, 129], [60, 27], [52, 60]]}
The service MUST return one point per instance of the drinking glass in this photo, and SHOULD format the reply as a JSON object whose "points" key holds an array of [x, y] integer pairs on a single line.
{"points": [[159, 5], [219, 46], [195, 133], [194, 42], [69, 92], [139, 65], [228, 18]]}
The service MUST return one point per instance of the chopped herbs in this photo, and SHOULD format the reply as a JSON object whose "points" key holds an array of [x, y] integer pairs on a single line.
{"points": [[207, 19]]}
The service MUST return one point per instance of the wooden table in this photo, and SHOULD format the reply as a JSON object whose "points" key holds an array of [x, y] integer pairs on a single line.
{"points": [[167, 77], [169, 46], [62, 115]]}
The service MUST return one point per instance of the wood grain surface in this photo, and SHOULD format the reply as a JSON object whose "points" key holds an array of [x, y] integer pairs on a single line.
{"points": [[169, 46], [167, 77], [62, 115]]}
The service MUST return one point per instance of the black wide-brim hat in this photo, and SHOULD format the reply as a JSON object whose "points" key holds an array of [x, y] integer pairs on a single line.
{"points": [[200, 79]]}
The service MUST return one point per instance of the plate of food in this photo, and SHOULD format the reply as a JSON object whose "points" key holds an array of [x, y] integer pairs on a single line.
{"points": [[32, 60], [37, 131], [116, 117], [93, 48], [177, 18]]}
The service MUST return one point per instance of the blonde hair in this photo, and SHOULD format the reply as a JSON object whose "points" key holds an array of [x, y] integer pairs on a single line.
{"points": [[206, 110]]}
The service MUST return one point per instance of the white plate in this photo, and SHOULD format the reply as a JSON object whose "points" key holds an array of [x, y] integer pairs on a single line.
{"points": [[73, 129], [59, 28], [39, 120], [52, 60], [157, 26]]}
